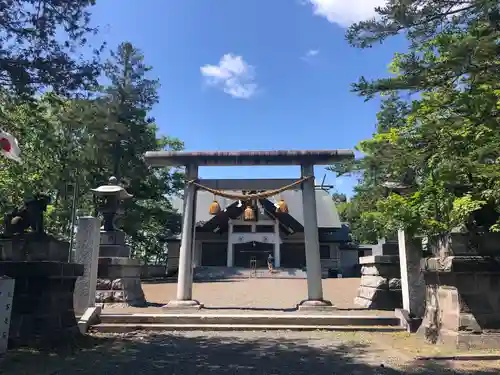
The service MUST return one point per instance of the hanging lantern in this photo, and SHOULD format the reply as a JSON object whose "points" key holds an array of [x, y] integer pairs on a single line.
{"points": [[282, 207], [214, 208], [249, 214]]}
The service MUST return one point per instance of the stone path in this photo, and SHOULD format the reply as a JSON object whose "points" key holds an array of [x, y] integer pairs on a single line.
{"points": [[255, 295], [242, 353]]}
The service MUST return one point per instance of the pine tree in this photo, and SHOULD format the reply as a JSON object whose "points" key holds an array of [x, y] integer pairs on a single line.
{"points": [[442, 146], [128, 134], [38, 40]]}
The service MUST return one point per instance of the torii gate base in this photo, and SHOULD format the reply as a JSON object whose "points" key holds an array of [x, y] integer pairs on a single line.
{"points": [[306, 159], [179, 304]]}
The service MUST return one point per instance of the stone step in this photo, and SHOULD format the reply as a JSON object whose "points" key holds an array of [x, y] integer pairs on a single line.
{"points": [[130, 327], [251, 319], [210, 273]]}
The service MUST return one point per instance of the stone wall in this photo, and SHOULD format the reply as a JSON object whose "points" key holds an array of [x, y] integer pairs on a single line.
{"points": [[380, 286]]}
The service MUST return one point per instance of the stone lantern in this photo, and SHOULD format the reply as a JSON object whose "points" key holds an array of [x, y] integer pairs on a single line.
{"points": [[109, 199], [118, 276]]}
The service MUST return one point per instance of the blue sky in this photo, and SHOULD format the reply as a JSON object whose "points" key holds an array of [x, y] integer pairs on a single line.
{"points": [[253, 75]]}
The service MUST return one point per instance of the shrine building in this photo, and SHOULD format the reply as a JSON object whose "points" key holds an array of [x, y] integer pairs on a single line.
{"points": [[225, 235]]}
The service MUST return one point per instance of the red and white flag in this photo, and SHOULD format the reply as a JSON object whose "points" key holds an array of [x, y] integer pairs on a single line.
{"points": [[9, 146]]}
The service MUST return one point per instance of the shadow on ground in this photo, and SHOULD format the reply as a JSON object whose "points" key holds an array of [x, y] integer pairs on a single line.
{"points": [[211, 353]]}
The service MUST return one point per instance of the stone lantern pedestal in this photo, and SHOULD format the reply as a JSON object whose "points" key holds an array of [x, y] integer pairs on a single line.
{"points": [[380, 286], [118, 276]]}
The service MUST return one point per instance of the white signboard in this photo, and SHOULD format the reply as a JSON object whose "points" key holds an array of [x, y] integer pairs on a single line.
{"points": [[6, 296]]}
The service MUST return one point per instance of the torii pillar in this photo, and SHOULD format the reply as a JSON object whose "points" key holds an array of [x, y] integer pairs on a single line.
{"points": [[306, 159], [185, 273], [311, 238]]}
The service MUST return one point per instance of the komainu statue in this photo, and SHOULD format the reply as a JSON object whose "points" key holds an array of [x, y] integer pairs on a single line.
{"points": [[28, 216]]}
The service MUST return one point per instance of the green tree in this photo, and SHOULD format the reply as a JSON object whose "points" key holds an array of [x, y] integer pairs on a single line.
{"points": [[52, 149], [451, 41], [68, 142], [38, 40], [443, 147], [382, 162], [127, 135]]}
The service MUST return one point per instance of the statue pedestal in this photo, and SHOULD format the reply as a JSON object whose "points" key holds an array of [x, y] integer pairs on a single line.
{"points": [[462, 301], [33, 247], [42, 307], [118, 276], [462, 292]]}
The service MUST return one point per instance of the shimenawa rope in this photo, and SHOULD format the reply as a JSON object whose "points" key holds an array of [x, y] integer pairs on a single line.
{"points": [[246, 197]]}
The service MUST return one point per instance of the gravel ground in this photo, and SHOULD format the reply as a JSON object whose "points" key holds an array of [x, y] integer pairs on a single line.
{"points": [[257, 293], [242, 353]]}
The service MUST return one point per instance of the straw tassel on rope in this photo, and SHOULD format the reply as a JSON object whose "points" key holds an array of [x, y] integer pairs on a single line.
{"points": [[249, 213], [214, 208], [282, 207]]}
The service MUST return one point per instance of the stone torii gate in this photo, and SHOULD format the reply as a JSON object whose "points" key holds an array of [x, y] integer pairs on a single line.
{"points": [[193, 160]]}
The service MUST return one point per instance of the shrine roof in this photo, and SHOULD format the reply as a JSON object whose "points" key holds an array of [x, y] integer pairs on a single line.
{"points": [[247, 158], [326, 210]]}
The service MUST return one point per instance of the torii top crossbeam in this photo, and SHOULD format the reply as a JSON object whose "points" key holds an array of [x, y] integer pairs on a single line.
{"points": [[247, 158]]}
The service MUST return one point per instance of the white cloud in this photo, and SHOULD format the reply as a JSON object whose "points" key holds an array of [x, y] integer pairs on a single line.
{"points": [[346, 12], [312, 52], [310, 55], [233, 75]]}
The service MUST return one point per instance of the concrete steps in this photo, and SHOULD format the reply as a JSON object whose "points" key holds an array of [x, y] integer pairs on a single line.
{"points": [[120, 323], [215, 273], [125, 328]]}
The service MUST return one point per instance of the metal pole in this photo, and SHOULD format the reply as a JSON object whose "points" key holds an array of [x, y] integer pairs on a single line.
{"points": [[73, 220]]}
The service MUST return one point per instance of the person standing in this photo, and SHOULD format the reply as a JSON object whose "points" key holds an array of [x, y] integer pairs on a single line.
{"points": [[270, 262]]}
